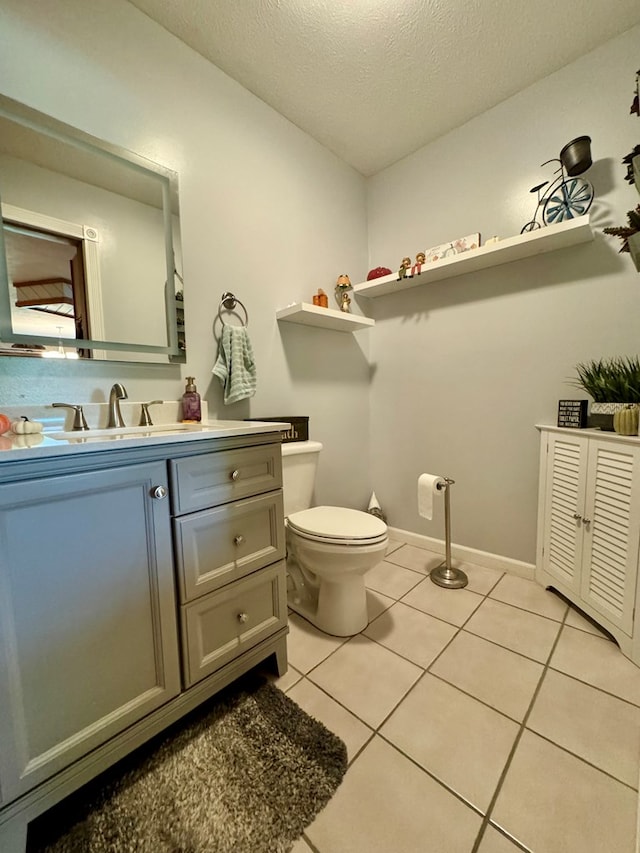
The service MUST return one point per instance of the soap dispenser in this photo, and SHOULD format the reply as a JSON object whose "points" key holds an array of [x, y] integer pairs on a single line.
{"points": [[191, 409]]}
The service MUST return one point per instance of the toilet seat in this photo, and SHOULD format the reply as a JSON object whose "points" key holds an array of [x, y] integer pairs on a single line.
{"points": [[338, 526]]}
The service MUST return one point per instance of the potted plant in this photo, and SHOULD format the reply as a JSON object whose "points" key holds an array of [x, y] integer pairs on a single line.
{"points": [[613, 383]]}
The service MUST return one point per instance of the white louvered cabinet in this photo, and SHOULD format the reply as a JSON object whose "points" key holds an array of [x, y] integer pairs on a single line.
{"points": [[589, 526]]}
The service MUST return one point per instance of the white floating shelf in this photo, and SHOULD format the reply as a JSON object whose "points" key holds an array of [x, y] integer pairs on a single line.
{"points": [[546, 239], [326, 318]]}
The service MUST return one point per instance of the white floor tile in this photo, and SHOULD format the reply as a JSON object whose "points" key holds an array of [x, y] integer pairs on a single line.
{"points": [[286, 681], [306, 646], [570, 713], [445, 723], [462, 742], [414, 558], [366, 678], [336, 718], [553, 802], [391, 580], [501, 678], [377, 603], [515, 629], [575, 619], [415, 635], [494, 842], [530, 596], [481, 578], [598, 662], [452, 605], [388, 805]]}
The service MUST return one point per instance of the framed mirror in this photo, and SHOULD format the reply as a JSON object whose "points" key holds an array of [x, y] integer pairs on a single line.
{"points": [[90, 261]]}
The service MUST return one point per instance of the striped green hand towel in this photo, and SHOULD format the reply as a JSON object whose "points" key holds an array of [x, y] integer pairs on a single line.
{"points": [[235, 366]]}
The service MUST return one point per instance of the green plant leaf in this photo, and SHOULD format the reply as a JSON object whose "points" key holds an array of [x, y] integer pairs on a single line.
{"points": [[612, 380]]}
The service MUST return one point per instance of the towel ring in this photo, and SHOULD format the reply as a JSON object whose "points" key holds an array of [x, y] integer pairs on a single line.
{"points": [[229, 302]]}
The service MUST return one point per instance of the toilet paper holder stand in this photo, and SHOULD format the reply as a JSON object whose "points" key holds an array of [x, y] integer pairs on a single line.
{"points": [[445, 575]]}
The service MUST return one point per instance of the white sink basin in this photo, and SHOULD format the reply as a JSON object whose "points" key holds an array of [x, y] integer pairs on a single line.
{"points": [[130, 432], [212, 428]]}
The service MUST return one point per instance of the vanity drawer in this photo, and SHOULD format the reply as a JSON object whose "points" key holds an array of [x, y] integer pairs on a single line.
{"points": [[198, 482], [222, 625], [220, 545]]}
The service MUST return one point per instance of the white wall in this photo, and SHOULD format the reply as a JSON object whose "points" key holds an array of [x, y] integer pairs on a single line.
{"points": [[266, 212], [464, 368]]}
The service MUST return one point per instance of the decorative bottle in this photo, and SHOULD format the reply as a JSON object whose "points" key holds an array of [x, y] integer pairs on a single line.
{"points": [[191, 408]]}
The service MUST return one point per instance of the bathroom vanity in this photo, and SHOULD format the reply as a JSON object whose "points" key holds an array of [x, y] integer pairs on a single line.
{"points": [[589, 526], [138, 576]]}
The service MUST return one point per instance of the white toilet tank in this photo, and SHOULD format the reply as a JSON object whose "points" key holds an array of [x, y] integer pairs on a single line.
{"points": [[299, 466]]}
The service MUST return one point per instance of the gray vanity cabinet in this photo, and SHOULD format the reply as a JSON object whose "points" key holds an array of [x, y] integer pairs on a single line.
{"points": [[88, 634], [135, 583]]}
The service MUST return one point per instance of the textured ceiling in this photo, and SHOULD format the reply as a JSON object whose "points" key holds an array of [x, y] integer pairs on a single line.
{"points": [[374, 80]]}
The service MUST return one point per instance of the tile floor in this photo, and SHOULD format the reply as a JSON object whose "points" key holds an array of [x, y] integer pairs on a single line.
{"points": [[492, 719]]}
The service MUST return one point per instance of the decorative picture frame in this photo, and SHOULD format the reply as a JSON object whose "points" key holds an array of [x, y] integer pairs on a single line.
{"points": [[455, 247]]}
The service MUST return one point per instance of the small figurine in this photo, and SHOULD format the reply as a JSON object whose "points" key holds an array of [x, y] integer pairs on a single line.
{"points": [[417, 267], [346, 301], [404, 266], [342, 297]]}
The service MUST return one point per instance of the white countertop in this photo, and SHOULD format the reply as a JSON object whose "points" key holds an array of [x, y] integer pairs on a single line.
{"points": [[41, 445]]}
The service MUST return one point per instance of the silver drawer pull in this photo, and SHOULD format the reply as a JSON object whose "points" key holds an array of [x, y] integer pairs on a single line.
{"points": [[159, 492], [242, 617], [234, 475], [238, 540]]}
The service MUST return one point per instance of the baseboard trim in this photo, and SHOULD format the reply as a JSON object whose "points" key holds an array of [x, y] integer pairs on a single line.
{"points": [[464, 554]]}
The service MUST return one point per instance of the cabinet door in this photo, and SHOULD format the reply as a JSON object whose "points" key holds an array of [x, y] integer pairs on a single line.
{"points": [[611, 522], [88, 636], [563, 508]]}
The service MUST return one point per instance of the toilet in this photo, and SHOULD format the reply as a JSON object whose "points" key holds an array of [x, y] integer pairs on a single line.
{"points": [[329, 549]]}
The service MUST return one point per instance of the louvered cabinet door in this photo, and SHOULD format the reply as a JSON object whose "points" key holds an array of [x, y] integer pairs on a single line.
{"points": [[611, 524], [564, 501]]}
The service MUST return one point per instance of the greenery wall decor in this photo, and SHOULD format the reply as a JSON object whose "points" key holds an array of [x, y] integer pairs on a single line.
{"points": [[626, 232]]}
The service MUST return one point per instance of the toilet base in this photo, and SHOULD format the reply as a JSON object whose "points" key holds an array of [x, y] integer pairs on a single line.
{"points": [[339, 609]]}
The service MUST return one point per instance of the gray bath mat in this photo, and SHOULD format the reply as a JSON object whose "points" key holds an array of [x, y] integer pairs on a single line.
{"points": [[244, 775]]}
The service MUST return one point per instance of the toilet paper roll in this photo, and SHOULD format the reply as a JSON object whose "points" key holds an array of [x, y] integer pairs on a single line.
{"points": [[428, 486]]}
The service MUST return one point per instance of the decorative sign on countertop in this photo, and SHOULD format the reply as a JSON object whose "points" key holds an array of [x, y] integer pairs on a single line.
{"points": [[572, 413]]}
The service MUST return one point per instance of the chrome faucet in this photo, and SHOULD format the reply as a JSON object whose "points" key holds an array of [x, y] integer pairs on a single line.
{"points": [[79, 421], [118, 392]]}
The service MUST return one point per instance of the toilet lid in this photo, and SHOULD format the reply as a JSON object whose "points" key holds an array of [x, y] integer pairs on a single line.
{"points": [[336, 523]]}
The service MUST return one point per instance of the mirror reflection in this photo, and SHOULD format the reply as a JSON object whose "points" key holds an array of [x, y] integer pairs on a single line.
{"points": [[90, 251]]}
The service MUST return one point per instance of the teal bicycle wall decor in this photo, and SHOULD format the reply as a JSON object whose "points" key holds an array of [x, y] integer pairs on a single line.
{"points": [[568, 195]]}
